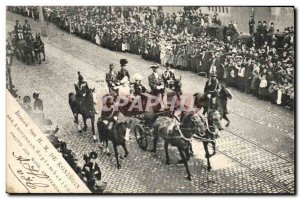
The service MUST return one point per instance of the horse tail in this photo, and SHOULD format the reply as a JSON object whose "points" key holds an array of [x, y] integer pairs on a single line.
{"points": [[71, 97], [101, 130]]}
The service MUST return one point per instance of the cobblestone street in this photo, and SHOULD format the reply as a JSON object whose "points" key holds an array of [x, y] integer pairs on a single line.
{"points": [[255, 154]]}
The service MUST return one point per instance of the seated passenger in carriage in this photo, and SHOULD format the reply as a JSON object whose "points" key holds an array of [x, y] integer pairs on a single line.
{"points": [[111, 80], [123, 72], [137, 85], [26, 28], [18, 31], [155, 82], [124, 88], [168, 77]]}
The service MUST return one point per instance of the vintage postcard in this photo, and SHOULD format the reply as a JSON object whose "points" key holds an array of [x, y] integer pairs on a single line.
{"points": [[150, 99]]}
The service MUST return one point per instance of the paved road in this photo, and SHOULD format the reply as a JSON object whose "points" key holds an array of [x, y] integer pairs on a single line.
{"points": [[255, 154]]}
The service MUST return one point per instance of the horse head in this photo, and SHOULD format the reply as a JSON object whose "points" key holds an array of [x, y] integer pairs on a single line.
{"points": [[194, 122], [214, 120], [89, 94]]}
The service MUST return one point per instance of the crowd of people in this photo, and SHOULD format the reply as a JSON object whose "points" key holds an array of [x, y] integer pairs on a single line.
{"points": [[261, 64]]}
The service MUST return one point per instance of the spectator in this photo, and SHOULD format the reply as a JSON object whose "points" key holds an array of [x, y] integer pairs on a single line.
{"points": [[185, 40]]}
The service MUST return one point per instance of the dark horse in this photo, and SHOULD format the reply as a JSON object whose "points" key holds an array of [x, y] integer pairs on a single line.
{"points": [[39, 48], [83, 105], [203, 130], [169, 129], [180, 136], [116, 135], [224, 95], [24, 47]]}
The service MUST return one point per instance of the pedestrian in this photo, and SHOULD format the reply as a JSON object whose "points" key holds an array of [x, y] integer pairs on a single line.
{"points": [[251, 25]]}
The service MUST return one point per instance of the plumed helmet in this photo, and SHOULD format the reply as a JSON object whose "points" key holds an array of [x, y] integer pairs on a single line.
{"points": [[79, 76]]}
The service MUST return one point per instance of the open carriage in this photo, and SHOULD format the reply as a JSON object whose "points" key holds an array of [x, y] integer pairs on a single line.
{"points": [[166, 107], [163, 116], [145, 107]]}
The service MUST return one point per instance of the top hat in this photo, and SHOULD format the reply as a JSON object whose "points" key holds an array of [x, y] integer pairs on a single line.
{"points": [[213, 74], [154, 66], [123, 62]]}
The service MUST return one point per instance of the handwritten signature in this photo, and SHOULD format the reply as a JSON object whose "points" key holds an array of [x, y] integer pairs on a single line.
{"points": [[28, 174]]}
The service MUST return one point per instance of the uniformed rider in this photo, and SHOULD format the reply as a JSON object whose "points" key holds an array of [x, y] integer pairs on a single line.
{"points": [[109, 114], [81, 85], [211, 90]]}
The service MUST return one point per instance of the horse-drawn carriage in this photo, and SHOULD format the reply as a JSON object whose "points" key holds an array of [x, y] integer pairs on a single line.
{"points": [[176, 123], [29, 47], [162, 116]]}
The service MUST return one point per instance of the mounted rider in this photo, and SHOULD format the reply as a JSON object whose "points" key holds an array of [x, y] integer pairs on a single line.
{"points": [[168, 77], [81, 88], [111, 80], [110, 113], [39, 40], [211, 91], [26, 29], [155, 82], [18, 31]]}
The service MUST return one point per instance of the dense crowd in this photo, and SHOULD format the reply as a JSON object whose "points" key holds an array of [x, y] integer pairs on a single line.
{"points": [[261, 63]]}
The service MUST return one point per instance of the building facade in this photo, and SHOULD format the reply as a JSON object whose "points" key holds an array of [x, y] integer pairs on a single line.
{"points": [[281, 16]]}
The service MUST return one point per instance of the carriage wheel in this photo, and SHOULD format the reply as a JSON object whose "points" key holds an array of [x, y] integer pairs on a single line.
{"points": [[141, 137]]}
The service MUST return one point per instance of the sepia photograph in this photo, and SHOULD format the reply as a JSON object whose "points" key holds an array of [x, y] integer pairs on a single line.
{"points": [[150, 99]]}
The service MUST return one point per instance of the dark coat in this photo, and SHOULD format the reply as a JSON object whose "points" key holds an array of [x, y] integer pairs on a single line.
{"points": [[122, 73], [153, 82], [212, 87], [168, 75], [139, 89], [111, 78]]}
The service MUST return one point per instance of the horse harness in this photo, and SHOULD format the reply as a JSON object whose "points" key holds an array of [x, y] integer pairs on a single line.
{"points": [[170, 128]]}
